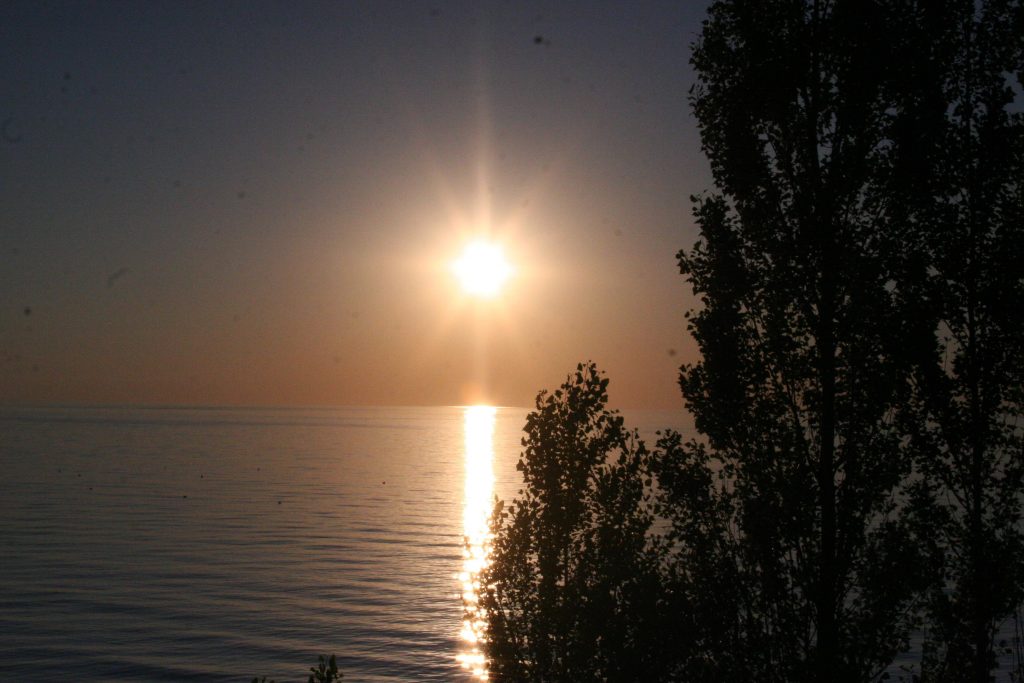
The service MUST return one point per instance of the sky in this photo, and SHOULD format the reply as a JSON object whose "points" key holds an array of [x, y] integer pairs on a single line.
{"points": [[257, 203]]}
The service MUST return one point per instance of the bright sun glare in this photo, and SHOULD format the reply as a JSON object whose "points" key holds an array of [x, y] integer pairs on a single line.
{"points": [[482, 269]]}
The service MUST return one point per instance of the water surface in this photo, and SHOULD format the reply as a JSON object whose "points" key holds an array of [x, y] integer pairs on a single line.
{"points": [[142, 544]]}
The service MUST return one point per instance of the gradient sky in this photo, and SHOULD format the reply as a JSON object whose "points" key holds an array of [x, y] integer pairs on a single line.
{"points": [[256, 203]]}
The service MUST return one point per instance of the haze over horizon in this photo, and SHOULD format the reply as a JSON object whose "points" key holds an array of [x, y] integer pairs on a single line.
{"points": [[258, 203]]}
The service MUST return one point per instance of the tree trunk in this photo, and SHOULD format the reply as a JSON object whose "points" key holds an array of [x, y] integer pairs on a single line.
{"points": [[828, 660]]}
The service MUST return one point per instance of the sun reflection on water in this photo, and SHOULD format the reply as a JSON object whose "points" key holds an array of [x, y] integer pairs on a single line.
{"points": [[479, 429]]}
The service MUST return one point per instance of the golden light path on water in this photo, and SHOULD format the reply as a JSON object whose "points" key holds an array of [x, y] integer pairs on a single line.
{"points": [[479, 430]]}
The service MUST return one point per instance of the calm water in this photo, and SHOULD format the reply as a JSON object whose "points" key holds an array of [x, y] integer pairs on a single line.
{"points": [[217, 544]]}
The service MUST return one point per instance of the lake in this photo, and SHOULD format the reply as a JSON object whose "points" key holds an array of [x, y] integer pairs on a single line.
{"points": [[213, 544]]}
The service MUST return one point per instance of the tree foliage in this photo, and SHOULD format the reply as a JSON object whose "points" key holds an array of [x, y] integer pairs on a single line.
{"points": [[573, 590], [801, 377], [326, 671], [966, 208], [859, 469]]}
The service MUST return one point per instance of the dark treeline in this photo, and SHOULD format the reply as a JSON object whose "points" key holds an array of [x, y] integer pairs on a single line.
{"points": [[857, 475]]}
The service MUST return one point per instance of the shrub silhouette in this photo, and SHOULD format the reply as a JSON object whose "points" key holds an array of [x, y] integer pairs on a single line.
{"points": [[326, 671], [573, 589]]}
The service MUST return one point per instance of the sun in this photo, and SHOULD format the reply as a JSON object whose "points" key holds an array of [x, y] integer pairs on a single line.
{"points": [[482, 269]]}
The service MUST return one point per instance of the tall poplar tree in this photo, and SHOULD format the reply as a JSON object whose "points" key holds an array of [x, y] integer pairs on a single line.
{"points": [[965, 205], [802, 377]]}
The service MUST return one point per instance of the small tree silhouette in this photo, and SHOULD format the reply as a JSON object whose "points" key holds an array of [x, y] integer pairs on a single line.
{"points": [[324, 672], [573, 589]]}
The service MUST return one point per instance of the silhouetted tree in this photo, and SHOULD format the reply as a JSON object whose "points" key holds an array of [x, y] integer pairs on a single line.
{"points": [[326, 671], [965, 205], [572, 591], [802, 375], [860, 465], [701, 578]]}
